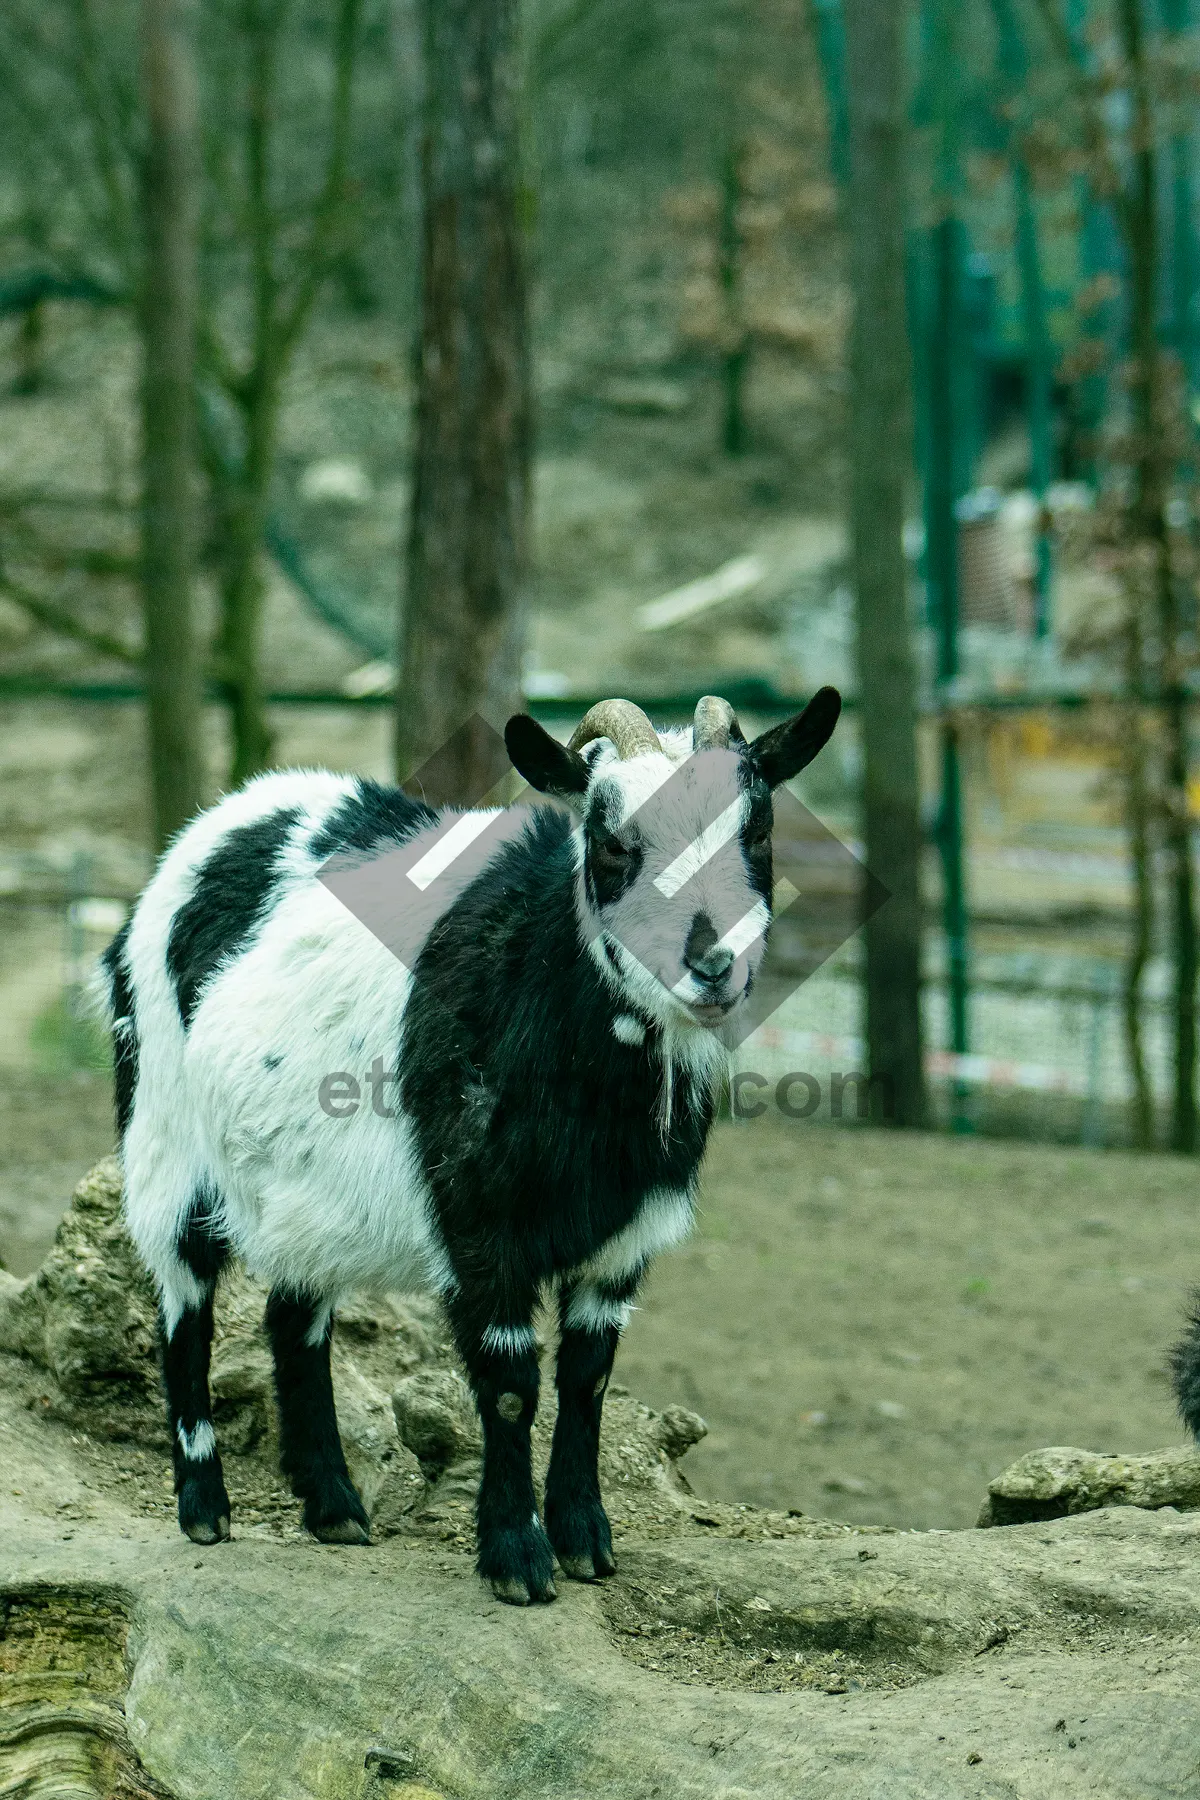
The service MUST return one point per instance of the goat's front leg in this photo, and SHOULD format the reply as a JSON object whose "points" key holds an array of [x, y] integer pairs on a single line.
{"points": [[591, 1318], [499, 1348]]}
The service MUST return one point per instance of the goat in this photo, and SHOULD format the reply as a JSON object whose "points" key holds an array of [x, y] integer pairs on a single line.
{"points": [[557, 1034]]}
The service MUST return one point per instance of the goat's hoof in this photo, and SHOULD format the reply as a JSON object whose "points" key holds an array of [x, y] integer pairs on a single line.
{"points": [[334, 1514], [582, 1538], [588, 1568], [204, 1506], [341, 1531], [519, 1563], [515, 1593], [202, 1531]]}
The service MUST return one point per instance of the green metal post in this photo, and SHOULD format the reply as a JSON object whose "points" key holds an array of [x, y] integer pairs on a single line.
{"points": [[831, 50], [1177, 19], [1100, 254], [946, 479], [1038, 377], [944, 486], [1014, 66]]}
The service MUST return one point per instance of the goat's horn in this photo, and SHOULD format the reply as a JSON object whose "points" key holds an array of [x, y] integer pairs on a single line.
{"points": [[715, 725], [620, 720]]}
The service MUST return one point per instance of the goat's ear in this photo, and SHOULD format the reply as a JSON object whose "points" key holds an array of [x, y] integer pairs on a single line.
{"points": [[785, 749], [545, 763]]}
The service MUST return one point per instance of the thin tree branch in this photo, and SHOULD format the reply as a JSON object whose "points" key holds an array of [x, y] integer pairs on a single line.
{"points": [[316, 258], [1057, 31], [216, 359], [84, 65], [1095, 131], [55, 144], [64, 624], [102, 565], [556, 32], [260, 22]]}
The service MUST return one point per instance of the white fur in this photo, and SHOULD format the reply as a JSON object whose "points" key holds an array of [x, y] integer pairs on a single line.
{"points": [[628, 1030], [199, 1443], [314, 1203], [686, 810], [665, 1217], [590, 1310], [509, 1340], [164, 1155]]}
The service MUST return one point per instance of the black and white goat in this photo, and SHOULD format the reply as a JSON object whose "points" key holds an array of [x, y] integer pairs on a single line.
{"points": [[555, 1037]]}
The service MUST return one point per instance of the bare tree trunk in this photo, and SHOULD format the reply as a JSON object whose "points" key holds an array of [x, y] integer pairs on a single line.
{"points": [[1137, 816], [1152, 464], [170, 211], [462, 627], [286, 281], [880, 443], [243, 590]]}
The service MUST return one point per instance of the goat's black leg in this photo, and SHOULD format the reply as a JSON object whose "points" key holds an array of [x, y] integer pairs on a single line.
{"points": [[199, 1482], [576, 1522], [514, 1554], [301, 1331], [185, 1329]]}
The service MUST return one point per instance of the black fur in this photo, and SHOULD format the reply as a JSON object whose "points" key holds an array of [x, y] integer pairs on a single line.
{"points": [[232, 892], [539, 1134], [537, 1129], [576, 1522], [548, 765], [203, 1502], [202, 1245], [310, 1449], [370, 817], [1185, 1368], [614, 858], [785, 749], [125, 1040], [514, 1552], [204, 1509]]}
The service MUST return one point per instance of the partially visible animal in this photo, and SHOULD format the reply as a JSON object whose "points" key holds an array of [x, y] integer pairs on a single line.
{"points": [[543, 1051], [1184, 1364]]}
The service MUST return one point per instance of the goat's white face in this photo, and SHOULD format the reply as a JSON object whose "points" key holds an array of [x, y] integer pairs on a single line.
{"points": [[675, 877], [674, 853]]}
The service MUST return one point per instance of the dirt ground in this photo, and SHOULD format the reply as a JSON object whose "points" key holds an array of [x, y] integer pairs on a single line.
{"points": [[873, 1325]]}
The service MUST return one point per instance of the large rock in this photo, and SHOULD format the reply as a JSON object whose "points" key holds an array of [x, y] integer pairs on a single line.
{"points": [[1054, 1662], [88, 1315], [1051, 1484]]}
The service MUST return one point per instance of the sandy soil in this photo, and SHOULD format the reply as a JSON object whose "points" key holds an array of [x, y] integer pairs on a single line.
{"points": [[875, 1325]]}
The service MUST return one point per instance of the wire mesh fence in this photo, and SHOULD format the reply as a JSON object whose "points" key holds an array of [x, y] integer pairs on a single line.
{"points": [[1048, 882]]}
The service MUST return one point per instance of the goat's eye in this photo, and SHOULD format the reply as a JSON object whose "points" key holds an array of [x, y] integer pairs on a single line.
{"points": [[612, 846], [758, 837]]}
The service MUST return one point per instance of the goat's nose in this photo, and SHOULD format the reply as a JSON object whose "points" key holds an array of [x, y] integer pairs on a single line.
{"points": [[704, 954]]}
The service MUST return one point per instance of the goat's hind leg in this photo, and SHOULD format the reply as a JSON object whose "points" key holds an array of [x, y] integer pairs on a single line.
{"points": [[185, 1336], [301, 1332]]}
